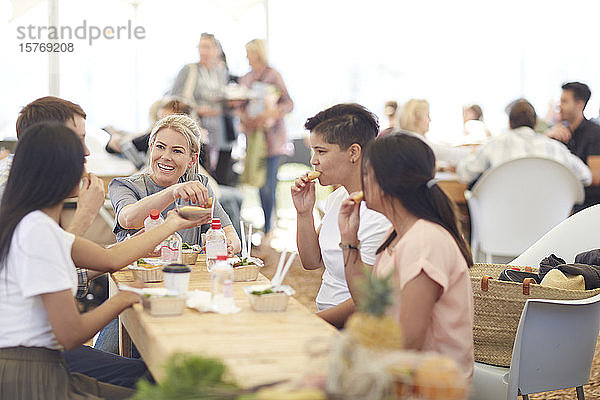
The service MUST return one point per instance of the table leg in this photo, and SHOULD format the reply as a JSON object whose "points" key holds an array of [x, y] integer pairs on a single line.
{"points": [[125, 344]]}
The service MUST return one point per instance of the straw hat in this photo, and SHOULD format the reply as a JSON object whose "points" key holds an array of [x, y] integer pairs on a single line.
{"points": [[556, 279]]}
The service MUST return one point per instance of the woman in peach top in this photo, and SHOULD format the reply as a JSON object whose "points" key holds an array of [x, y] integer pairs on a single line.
{"points": [[424, 249]]}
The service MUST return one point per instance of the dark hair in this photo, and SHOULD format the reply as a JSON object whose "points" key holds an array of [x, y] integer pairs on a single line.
{"points": [[476, 109], [522, 113], [344, 125], [403, 164], [47, 109], [580, 91], [46, 168]]}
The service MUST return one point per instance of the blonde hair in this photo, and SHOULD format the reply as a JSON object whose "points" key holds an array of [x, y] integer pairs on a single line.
{"points": [[258, 46], [412, 113], [189, 129]]}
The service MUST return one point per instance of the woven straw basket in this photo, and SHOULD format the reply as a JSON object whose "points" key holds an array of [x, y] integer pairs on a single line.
{"points": [[498, 306]]}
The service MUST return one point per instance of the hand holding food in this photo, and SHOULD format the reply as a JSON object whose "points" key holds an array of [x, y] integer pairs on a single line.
{"points": [[192, 191], [312, 175], [349, 220], [358, 197], [303, 192]]}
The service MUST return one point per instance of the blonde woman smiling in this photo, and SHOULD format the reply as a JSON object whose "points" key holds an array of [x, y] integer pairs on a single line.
{"points": [[171, 176]]}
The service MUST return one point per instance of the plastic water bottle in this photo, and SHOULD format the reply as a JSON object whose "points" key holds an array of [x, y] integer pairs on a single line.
{"points": [[216, 243], [221, 285], [151, 222], [170, 249]]}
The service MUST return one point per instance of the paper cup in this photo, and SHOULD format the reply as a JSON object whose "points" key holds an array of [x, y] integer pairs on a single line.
{"points": [[177, 277]]}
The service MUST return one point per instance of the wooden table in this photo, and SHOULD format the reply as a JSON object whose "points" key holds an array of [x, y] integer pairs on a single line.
{"points": [[455, 190], [257, 347]]}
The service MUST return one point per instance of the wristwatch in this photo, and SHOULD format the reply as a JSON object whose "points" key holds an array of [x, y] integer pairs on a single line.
{"points": [[349, 246]]}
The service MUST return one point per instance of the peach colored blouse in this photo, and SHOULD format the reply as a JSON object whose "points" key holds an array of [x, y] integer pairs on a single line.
{"points": [[430, 248]]}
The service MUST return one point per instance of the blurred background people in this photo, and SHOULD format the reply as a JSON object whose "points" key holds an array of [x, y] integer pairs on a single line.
{"points": [[135, 148], [263, 124], [390, 110], [520, 140], [580, 135], [475, 130], [414, 117], [203, 83]]}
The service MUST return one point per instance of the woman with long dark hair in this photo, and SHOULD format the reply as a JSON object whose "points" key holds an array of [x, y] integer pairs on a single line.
{"points": [[37, 271], [424, 250]]}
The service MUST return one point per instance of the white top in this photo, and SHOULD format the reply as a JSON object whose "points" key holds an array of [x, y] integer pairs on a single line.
{"points": [[517, 143], [39, 261], [475, 132], [371, 233]]}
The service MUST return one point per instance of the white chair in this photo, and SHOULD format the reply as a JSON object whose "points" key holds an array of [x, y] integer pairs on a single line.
{"points": [[576, 234], [514, 204], [553, 349]]}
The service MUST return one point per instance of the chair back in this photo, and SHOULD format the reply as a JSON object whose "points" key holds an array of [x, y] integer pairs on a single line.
{"points": [[516, 203], [554, 346], [576, 234]]}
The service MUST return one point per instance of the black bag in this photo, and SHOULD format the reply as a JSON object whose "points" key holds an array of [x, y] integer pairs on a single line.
{"points": [[513, 275]]}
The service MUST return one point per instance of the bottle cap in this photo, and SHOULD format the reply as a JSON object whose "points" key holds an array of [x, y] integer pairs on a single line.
{"points": [[154, 214], [221, 257], [216, 223]]}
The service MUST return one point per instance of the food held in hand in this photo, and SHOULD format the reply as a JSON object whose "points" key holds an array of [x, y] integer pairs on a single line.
{"points": [[358, 197], [209, 202], [193, 212], [313, 175]]}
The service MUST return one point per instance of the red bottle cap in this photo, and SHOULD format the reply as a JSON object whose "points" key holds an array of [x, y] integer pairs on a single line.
{"points": [[154, 214], [216, 223]]}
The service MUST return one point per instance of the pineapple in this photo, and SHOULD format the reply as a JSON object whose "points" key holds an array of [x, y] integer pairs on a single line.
{"points": [[370, 326]]}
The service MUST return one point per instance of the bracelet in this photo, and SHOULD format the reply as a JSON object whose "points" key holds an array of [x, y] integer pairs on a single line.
{"points": [[349, 246]]}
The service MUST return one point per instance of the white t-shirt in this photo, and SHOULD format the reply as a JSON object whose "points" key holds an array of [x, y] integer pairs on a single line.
{"points": [[39, 261], [371, 233]]}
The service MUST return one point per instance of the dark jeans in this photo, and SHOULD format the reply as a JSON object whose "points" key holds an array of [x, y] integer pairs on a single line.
{"points": [[267, 191], [106, 367], [108, 339]]}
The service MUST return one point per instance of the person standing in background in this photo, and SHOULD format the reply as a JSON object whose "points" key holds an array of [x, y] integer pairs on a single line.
{"points": [[269, 120], [203, 83]]}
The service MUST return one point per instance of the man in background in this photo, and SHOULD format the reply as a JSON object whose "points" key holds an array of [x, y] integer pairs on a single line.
{"points": [[519, 141], [580, 135]]}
